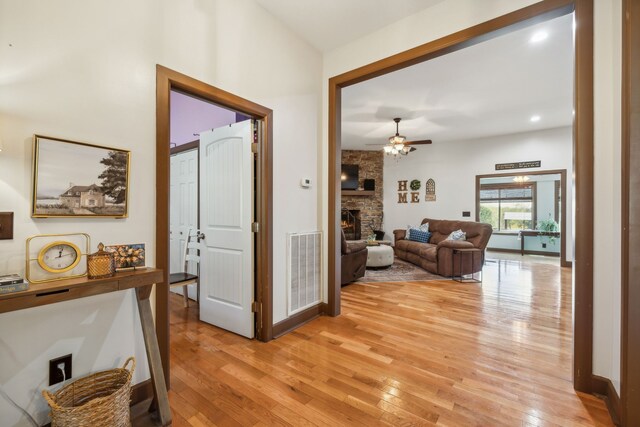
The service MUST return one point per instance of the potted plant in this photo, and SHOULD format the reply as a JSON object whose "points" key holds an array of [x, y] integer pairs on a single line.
{"points": [[545, 227], [376, 227]]}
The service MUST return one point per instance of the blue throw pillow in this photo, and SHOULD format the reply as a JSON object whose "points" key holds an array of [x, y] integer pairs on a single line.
{"points": [[419, 236], [421, 227]]}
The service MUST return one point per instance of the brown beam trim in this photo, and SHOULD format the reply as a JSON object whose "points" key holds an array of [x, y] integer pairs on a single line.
{"points": [[517, 251], [604, 388], [166, 80], [141, 392], [297, 319], [630, 233], [193, 145], [583, 196], [583, 146]]}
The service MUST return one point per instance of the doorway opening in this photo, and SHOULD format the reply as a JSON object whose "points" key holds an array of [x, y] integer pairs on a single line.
{"points": [[582, 127], [528, 213], [248, 141]]}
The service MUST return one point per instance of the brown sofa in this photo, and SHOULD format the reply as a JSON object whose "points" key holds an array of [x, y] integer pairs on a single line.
{"points": [[353, 259], [437, 255]]}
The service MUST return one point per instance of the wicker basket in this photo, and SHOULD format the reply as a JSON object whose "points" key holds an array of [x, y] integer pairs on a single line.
{"points": [[97, 400]]}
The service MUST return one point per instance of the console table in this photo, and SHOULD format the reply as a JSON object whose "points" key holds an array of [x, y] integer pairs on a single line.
{"points": [[142, 281]]}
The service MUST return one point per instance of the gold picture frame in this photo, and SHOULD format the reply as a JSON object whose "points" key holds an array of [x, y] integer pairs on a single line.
{"points": [[77, 179]]}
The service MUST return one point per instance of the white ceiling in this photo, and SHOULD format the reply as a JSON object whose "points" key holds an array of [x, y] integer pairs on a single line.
{"points": [[327, 24], [489, 89]]}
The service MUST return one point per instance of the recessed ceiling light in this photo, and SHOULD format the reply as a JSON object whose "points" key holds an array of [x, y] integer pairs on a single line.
{"points": [[535, 118], [539, 36]]}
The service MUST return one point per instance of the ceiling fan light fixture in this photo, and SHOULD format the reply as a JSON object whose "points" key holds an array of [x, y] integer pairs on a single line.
{"points": [[398, 146], [387, 148], [406, 149], [397, 139], [394, 150]]}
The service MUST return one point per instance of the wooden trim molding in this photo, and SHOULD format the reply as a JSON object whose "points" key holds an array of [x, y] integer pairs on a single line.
{"points": [[297, 319], [583, 196], [166, 80], [630, 234], [527, 252], [583, 150], [141, 392], [604, 388], [193, 145]]}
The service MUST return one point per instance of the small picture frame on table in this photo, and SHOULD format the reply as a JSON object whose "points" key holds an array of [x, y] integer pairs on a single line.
{"points": [[130, 256]]}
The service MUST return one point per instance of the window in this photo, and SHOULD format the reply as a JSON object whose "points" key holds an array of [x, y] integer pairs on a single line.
{"points": [[508, 206]]}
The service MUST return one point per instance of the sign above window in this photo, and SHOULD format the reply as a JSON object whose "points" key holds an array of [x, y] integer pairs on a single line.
{"points": [[518, 165]]}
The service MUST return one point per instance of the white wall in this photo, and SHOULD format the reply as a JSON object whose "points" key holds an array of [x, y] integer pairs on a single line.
{"points": [[450, 16], [454, 165], [86, 71]]}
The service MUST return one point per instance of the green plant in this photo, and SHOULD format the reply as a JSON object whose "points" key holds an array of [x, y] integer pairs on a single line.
{"points": [[415, 185], [548, 225]]}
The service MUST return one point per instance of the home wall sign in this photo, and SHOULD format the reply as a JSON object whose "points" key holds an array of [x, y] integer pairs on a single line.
{"points": [[430, 191], [402, 191], [518, 165]]}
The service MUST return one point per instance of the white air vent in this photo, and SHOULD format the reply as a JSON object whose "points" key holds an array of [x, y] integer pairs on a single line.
{"points": [[305, 271]]}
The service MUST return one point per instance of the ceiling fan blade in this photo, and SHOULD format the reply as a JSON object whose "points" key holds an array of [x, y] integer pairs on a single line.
{"points": [[420, 142], [379, 145], [412, 149]]}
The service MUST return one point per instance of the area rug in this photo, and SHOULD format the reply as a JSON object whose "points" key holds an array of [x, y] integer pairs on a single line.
{"points": [[399, 271]]}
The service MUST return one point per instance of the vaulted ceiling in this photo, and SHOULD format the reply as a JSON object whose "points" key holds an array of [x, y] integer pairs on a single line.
{"points": [[327, 24], [490, 89], [510, 84]]}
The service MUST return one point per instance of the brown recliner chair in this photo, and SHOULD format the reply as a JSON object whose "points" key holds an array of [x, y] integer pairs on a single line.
{"points": [[353, 260]]}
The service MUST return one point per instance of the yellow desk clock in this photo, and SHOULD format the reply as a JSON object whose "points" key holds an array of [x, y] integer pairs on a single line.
{"points": [[57, 256]]}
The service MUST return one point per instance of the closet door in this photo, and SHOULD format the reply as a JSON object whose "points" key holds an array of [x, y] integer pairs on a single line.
{"points": [[184, 211], [226, 213]]}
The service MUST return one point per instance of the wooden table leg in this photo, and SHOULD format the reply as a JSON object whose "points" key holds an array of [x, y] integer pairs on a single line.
{"points": [[153, 355]]}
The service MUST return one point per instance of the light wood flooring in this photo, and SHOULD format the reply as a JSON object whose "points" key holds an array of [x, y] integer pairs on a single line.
{"points": [[402, 353]]}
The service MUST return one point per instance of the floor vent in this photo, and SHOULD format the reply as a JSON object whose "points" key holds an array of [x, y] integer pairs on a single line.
{"points": [[305, 271]]}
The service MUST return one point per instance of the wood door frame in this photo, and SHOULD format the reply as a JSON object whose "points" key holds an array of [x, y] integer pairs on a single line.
{"points": [[629, 404], [583, 152], [563, 203], [166, 80]]}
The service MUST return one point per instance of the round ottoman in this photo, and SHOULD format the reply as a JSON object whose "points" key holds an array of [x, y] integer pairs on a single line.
{"points": [[379, 256]]}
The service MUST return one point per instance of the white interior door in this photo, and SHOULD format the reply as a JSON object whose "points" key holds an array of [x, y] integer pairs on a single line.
{"points": [[226, 213], [184, 211]]}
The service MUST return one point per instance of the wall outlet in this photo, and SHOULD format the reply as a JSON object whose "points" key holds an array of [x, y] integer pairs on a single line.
{"points": [[466, 214], [55, 376]]}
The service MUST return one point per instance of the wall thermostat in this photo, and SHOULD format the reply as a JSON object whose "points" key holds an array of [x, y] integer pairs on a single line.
{"points": [[305, 183]]}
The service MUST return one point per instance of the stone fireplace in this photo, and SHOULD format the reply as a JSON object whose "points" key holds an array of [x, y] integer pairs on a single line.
{"points": [[367, 204]]}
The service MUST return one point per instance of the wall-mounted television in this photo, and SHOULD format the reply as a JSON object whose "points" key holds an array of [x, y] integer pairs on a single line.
{"points": [[349, 177]]}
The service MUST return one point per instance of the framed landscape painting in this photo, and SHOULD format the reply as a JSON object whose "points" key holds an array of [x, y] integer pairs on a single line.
{"points": [[75, 179]]}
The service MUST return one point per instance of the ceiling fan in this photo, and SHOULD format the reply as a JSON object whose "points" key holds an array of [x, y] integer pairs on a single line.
{"points": [[398, 144]]}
